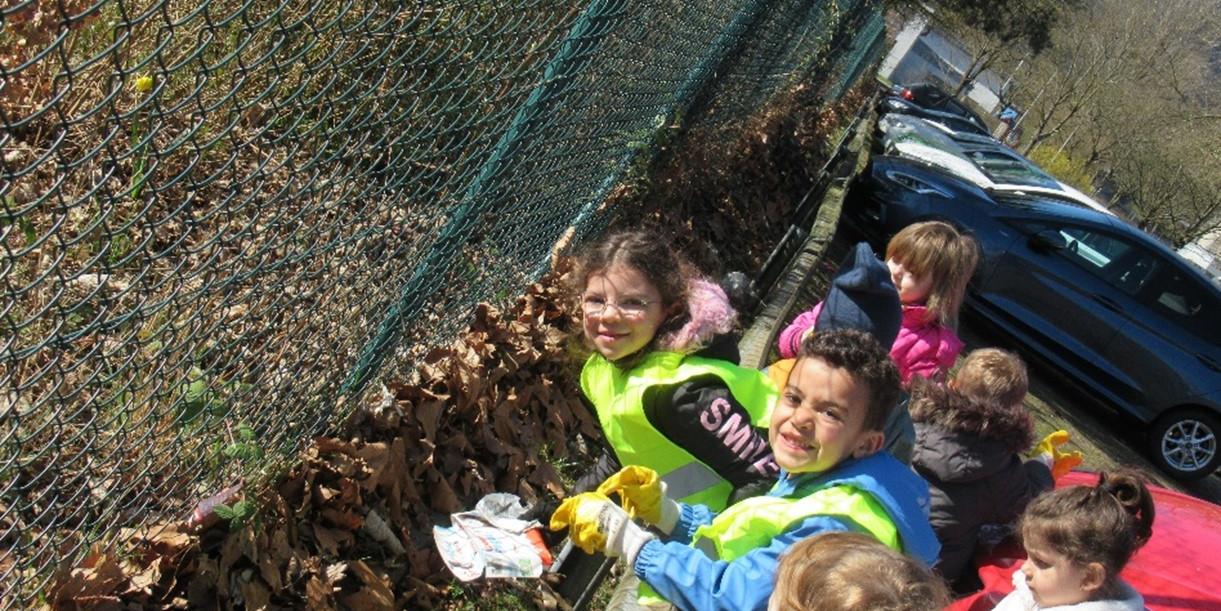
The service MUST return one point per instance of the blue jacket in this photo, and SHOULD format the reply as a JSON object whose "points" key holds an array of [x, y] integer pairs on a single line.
{"points": [[689, 579]]}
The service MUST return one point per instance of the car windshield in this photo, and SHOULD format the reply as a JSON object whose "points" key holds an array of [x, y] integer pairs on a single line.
{"points": [[1003, 168]]}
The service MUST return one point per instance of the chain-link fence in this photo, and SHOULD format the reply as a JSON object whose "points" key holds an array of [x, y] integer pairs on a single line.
{"points": [[221, 219]]}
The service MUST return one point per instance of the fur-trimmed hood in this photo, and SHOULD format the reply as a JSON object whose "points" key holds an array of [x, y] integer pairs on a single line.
{"points": [[963, 440], [936, 405], [710, 316]]}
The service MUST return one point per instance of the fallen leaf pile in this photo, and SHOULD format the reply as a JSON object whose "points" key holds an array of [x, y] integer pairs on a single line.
{"points": [[350, 526], [732, 185]]}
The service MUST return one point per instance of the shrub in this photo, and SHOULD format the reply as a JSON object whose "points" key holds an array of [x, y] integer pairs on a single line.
{"points": [[1064, 168]]}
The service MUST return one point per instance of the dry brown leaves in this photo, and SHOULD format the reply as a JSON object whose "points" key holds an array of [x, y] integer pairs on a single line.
{"points": [[28, 30], [351, 525], [733, 185]]}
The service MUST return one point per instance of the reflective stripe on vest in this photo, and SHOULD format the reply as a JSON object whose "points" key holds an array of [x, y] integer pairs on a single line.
{"points": [[617, 396], [690, 479], [754, 522]]}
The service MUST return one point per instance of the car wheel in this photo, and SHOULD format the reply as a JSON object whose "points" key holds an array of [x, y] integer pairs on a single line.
{"points": [[1184, 444]]}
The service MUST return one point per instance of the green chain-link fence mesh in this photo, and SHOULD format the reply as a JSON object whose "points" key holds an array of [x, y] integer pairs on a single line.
{"points": [[221, 219]]}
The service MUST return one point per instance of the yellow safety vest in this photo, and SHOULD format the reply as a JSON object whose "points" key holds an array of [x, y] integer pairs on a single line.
{"points": [[754, 522], [617, 395]]}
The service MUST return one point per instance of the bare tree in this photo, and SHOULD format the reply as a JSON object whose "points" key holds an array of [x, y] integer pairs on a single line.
{"points": [[999, 31], [1166, 198], [1133, 84]]}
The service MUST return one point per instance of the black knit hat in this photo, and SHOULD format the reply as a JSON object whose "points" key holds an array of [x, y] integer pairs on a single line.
{"points": [[862, 297]]}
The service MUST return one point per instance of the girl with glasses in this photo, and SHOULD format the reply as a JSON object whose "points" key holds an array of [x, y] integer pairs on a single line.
{"points": [[663, 381], [663, 378]]}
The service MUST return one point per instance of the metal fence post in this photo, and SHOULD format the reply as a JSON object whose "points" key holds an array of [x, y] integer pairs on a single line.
{"points": [[691, 92], [573, 56]]}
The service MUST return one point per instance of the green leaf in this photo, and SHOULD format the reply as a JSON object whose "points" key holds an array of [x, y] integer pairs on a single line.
{"points": [[195, 392], [245, 433], [243, 451], [27, 227], [224, 512], [243, 509]]}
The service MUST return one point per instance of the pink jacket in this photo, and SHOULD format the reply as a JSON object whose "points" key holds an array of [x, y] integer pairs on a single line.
{"points": [[924, 348], [921, 348]]}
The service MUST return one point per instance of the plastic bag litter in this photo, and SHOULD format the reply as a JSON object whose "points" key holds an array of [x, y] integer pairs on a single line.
{"points": [[492, 541]]}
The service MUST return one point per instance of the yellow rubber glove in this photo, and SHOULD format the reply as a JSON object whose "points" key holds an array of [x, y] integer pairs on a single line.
{"points": [[640, 490], [595, 524], [643, 495], [1059, 462]]}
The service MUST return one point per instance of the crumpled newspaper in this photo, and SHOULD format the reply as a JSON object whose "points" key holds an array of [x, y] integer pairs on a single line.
{"points": [[491, 541]]}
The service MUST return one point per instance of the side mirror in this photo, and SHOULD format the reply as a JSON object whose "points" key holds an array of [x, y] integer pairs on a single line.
{"points": [[1048, 240]]}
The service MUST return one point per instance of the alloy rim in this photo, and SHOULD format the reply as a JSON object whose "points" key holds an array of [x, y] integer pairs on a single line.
{"points": [[1189, 445]]}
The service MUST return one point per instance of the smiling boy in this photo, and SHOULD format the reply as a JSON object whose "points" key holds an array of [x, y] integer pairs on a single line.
{"points": [[825, 433]]}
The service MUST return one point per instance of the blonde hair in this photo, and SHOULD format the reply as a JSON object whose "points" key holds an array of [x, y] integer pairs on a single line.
{"points": [[850, 570], [940, 252], [994, 376]]}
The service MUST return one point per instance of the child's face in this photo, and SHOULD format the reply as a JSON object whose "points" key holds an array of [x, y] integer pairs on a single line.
{"points": [[622, 311], [820, 419], [912, 288], [1054, 579]]}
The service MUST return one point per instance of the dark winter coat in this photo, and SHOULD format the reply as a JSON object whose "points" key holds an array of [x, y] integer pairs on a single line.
{"points": [[969, 452]]}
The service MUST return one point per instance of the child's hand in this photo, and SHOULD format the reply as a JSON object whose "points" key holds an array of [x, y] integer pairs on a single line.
{"points": [[1059, 462], [644, 495], [597, 525]]}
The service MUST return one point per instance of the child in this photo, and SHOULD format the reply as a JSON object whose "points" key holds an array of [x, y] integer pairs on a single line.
{"points": [[825, 433], [862, 296], [841, 571], [969, 440], [930, 264], [1077, 541], [663, 378]]}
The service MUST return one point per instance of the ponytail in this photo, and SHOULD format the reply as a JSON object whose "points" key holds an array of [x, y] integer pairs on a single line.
{"points": [[1106, 523], [1129, 490]]}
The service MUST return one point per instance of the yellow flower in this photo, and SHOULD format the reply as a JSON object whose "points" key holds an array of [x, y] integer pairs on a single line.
{"points": [[144, 84]]}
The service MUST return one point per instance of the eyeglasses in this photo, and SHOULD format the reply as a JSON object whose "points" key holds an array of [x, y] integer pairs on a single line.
{"points": [[628, 308]]}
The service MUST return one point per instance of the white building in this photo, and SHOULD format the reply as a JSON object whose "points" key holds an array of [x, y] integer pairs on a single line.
{"points": [[924, 54]]}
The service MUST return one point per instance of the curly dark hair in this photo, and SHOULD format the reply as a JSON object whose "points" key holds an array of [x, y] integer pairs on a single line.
{"points": [[649, 254], [866, 361]]}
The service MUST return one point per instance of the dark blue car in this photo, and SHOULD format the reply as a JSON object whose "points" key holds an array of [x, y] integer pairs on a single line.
{"points": [[934, 104], [1113, 308]]}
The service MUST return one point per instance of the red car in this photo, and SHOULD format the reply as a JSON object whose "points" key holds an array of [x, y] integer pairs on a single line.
{"points": [[1179, 567]]}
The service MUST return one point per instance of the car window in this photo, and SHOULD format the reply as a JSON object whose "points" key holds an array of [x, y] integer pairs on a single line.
{"points": [[1184, 300], [1121, 263], [927, 95], [958, 108], [1088, 250], [1133, 272]]}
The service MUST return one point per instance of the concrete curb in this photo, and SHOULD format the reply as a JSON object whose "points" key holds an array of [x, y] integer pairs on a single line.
{"points": [[795, 289]]}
